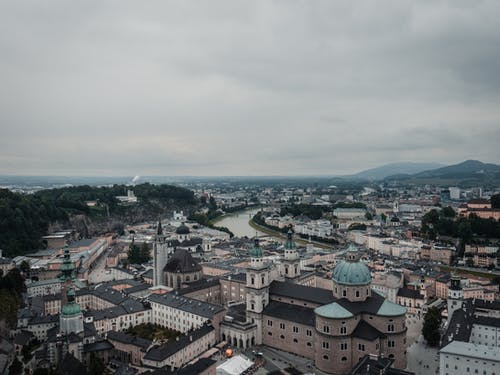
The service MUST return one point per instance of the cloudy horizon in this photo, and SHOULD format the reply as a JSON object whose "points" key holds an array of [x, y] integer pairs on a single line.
{"points": [[107, 88]]}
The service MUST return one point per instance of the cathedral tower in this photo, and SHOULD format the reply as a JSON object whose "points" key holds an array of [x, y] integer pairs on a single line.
{"points": [[291, 261], [258, 280], [455, 296], [160, 256]]}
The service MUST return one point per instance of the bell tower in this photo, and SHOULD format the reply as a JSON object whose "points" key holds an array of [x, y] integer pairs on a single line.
{"points": [[258, 280], [455, 296], [160, 256], [291, 261]]}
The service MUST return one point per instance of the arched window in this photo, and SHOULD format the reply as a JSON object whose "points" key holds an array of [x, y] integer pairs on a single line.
{"points": [[344, 293], [344, 359], [325, 357], [357, 293]]}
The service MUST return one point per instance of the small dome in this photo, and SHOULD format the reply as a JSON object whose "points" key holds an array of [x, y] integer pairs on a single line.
{"points": [[352, 273], [71, 309], [182, 229], [256, 252]]}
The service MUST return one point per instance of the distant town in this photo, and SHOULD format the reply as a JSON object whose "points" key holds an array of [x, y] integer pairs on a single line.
{"points": [[272, 277]]}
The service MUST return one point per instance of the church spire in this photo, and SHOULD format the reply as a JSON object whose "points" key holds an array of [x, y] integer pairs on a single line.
{"points": [[67, 267], [290, 244]]}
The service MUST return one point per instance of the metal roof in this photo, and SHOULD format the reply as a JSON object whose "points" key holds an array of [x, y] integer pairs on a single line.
{"points": [[333, 311]]}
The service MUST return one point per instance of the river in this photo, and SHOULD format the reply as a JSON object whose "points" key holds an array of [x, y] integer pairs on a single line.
{"points": [[237, 223]]}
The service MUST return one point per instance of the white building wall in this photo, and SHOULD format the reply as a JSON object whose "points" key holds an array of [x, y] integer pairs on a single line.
{"points": [[179, 320], [457, 362], [486, 335]]}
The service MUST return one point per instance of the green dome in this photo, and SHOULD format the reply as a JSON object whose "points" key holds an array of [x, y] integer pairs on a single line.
{"points": [[256, 252], [71, 309], [352, 273]]}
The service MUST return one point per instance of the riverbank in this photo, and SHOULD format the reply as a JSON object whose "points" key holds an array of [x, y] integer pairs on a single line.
{"points": [[282, 236], [489, 274], [234, 213]]}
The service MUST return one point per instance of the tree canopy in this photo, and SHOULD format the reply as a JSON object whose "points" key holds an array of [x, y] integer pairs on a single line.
{"points": [[430, 329], [25, 218]]}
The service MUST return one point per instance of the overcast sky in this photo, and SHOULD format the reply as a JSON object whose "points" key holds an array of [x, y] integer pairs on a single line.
{"points": [[246, 88]]}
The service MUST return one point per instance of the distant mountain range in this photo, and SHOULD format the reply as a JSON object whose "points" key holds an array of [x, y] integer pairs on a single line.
{"points": [[468, 169], [469, 172], [404, 168]]}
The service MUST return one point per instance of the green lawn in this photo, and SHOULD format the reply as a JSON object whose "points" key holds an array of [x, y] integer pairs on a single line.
{"points": [[153, 332]]}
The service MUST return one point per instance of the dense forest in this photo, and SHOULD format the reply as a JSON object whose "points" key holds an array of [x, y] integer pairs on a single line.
{"points": [[445, 223], [25, 218]]}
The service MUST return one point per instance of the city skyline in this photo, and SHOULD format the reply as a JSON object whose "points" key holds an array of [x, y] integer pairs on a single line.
{"points": [[246, 89]]}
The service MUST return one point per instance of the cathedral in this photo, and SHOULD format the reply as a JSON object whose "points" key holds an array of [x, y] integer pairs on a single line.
{"points": [[173, 264], [334, 328]]}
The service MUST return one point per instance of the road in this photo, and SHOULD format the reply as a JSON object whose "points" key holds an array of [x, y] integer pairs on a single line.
{"points": [[98, 274]]}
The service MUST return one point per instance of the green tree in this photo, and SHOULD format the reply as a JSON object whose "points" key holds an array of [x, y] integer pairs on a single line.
{"points": [[145, 254], [368, 216], [448, 212], [464, 231], [430, 329], [16, 367], [212, 204], [134, 254], [495, 201], [96, 366], [25, 267]]}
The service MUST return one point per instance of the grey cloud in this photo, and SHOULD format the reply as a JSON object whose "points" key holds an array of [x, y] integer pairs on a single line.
{"points": [[261, 87]]}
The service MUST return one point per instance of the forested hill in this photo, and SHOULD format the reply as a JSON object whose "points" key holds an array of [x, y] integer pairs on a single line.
{"points": [[24, 219]]}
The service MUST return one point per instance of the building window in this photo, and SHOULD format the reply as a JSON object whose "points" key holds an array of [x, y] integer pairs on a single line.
{"points": [[295, 340], [343, 346], [343, 330], [344, 293], [325, 357], [282, 337], [390, 328], [270, 323], [357, 293], [361, 347], [309, 344], [295, 329], [326, 345], [391, 344], [344, 359], [252, 280], [308, 332], [326, 329], [270, 333], [282, 325]]}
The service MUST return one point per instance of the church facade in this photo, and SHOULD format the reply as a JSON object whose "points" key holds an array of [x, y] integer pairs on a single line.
{"points": [[334, 328]]}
